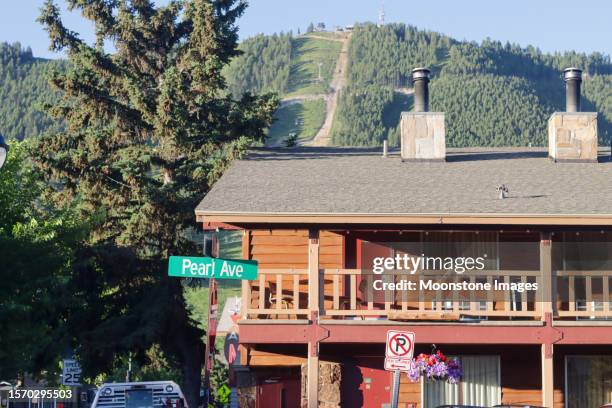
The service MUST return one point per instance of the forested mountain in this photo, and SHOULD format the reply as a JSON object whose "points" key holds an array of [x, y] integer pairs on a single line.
{"points": [[23, 89], [493, 94], [284, 64], [263, 66]]}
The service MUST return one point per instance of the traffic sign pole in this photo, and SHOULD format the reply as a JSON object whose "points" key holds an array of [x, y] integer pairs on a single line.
{"points": [[212, 321], [398, 356], [395, 389]]}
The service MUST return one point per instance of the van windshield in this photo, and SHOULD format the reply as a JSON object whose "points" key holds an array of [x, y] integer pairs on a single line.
{"points": [[140, 398]]}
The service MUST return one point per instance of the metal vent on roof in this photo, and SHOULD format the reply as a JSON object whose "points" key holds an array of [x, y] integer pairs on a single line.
{"points": [[503, 191]]}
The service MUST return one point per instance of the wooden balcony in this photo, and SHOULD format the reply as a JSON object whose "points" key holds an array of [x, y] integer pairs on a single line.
{"points": [[584, 294], [347, 294]]}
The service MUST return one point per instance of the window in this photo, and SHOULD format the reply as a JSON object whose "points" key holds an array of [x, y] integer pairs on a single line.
{"points": [[139, 398], [480, 385], [588, 381]]}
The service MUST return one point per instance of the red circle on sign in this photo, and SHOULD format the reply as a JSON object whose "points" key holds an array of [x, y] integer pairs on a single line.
{"points": [[404, 347]]}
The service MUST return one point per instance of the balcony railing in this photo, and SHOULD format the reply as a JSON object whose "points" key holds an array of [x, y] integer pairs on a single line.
{"points": [[277, 292], [398, 305], [584, 294], [348, 294]]}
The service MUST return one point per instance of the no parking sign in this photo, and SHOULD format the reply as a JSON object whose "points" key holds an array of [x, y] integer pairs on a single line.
{"points": [[400, 349], [398, 357], [400, 344]]}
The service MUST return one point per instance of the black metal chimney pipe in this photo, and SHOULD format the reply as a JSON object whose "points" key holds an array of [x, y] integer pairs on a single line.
{"points": [[420, 80], [573, 79]]}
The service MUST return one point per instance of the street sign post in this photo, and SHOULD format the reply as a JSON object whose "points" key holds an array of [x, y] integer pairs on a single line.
{"points": [[211, 249], [71, 373], [398, 357], [208, 267], [212, 268]]}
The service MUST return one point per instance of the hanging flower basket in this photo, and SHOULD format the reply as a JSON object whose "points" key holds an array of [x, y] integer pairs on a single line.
{"points": [[437, 367]]}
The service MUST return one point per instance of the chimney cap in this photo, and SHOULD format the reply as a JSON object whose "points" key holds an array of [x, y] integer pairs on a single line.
{"points": [[572, 73], [420, 73]]}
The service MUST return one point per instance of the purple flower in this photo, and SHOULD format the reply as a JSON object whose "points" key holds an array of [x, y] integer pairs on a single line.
{"points": [[438, 371], [436, 368], [414, 374], [455, 371]]}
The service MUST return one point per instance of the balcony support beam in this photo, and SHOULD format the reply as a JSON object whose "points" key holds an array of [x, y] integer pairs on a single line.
{"points": [[546, 294], [312, 390], [246, 285], [268, 332], [314, 276], [548, 389]]}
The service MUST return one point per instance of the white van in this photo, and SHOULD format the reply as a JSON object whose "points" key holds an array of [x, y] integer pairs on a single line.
{"points": [[151, 394]]}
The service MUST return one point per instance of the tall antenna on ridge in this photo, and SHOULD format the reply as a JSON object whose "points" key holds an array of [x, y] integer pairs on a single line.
{"points": [[381, 15]]}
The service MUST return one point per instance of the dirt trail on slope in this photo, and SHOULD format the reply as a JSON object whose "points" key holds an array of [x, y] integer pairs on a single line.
{"points": [[322, 37], [323, 137], [405, 91]]}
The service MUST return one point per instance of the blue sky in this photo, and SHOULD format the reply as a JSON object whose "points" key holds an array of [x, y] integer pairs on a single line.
{"points": [[551, 25]]}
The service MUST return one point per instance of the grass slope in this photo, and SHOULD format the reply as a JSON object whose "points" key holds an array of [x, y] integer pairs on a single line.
{"points": [[306, 55], [303, 119]]}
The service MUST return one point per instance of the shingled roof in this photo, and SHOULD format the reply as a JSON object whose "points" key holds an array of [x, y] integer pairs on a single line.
{"points": [[359, 182]]}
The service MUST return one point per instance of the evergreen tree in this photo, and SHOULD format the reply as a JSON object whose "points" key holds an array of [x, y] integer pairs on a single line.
{"points": [[263, 66], [149, 128]]}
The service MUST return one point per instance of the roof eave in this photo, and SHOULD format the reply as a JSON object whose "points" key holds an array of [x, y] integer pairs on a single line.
{"points": [[448, 218]]}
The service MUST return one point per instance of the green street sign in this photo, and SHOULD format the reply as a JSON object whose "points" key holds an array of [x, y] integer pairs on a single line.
{"points": [[207, 267]]}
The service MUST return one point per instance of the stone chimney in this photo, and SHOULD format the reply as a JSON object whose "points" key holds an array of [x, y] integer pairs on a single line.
{"points": [[572, 135], [423, 136]]}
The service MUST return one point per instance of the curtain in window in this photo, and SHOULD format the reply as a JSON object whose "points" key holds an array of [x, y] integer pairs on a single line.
{"points": [[480, 385], [589, 381], [439, 393]]}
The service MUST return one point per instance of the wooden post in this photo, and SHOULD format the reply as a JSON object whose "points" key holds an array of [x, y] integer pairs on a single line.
{"points": [[313, 271], [313, 374], [313, 304], [546, 296], [548, 388], [246, 285]]}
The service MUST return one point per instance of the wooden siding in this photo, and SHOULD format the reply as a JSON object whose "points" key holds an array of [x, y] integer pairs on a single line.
{"points": [[409, 393], [275, 249], [286, 250]]}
